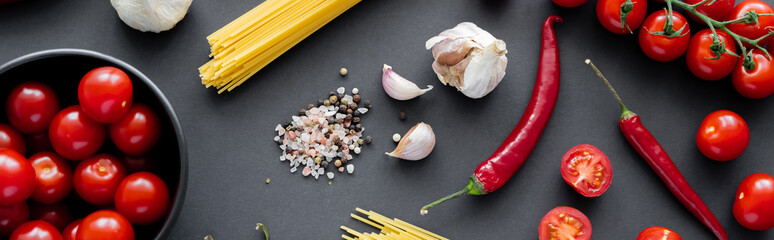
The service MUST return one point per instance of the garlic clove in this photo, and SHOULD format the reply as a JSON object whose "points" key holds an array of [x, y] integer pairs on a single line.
{"points": [[398, 87], [151, 15], [463, 30], [416, 144], [486, 70]]}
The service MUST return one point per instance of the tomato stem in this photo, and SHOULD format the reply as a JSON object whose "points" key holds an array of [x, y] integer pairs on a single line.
{"points": [[625, 113]]}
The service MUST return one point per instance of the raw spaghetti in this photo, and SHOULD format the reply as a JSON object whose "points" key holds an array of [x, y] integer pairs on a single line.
{"points": [[246, 45], [392, 229]]}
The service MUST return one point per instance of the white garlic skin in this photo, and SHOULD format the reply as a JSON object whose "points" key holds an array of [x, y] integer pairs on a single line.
{"points": [[469, 58], [151, 15], [418, 142], [398, 87]]}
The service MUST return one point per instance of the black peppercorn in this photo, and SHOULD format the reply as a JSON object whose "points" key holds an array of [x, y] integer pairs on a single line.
{"points": [[332, 93], [349, 111], [369, 139], [349, 117], [353, 106], [356, 98], [356, 119], [368, 104], [402, 116], [310, 106], [301, 112]]}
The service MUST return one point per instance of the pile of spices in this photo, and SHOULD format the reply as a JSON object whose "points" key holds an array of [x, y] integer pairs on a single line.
{"points": [[323, 135]]}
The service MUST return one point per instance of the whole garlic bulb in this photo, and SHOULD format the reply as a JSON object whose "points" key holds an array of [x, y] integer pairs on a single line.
{"points": [[151, 15], [469, 58]]}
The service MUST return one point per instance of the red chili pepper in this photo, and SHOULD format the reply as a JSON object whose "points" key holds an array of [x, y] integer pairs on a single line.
{"points": [[647, 146], [511, 155]]}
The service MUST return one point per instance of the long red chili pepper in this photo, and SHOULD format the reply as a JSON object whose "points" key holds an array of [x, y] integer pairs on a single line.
{"points": [[647, 146], [511, 155]]}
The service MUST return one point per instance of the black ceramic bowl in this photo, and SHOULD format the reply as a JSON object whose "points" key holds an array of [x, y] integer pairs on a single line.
{"points": [[62, 69]]}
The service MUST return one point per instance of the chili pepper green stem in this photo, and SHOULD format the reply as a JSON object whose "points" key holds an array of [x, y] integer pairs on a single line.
{"points": [[625, 113], [474, 187], [261, 226]]}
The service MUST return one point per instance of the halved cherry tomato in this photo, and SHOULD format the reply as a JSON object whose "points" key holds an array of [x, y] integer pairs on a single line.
{"points": [[718, 10], [10, 138], [701, 59], [105, 94], [97, 178], [105, 225], [570, 3], [137, 132], [75, 136], [143, 198], [71, 230], [660, 47], [752, 30], [587, 170], [723, 135], [565, 223], [36, 230], [11, 217], [658, 233], [31, 106], [57, 214], [609, 14], [755, 83], [754, 203], [17, 178], [54, 178]]}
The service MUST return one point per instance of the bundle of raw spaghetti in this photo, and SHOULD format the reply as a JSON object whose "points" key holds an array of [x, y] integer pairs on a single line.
{"points": [[392, 229], [246, 45]]}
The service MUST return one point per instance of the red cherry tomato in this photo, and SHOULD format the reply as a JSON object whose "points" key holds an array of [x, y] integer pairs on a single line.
{"points": [[723, 136], [105, 94], [11, 217], [658, 233], [10, 138], [147, 163], [137, 132], [71, 230], [143, 198], [751, 30], [57, 214], [75, 136], [36, 230], [570, 3], [659, 47], [755, 83], [105, 225], [700, 57], [97, 178], [31, 106], [38, 143], [587, 170], [565, 223], [54, 178], [609, 15], [754, 203], [17, 178], [718, 10]]}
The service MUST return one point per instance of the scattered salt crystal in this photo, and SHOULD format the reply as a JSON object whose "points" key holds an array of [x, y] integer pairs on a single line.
{"points": [[307, 170], [297, 118], [279, 126], [276, 138], [313, 111], [362, 110], [282, 158], [305, 137], [320, 171], [341, 169], [316, 176], [352, 147], [293, 169], [330, 113], [330, 175], [340, 90], [335, 148], [350, 168], [340, 116]]}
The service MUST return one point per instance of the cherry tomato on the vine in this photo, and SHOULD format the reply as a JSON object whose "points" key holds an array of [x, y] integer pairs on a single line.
{"points": [[105, 225], [71, 230], [97, 178], [658, 233], [75, 136], [701, 58], [754, 202], [137, 132], [17, 178], [57, 214], [105, 94], [54, 178], [570, 3], [755, 83], [565, 223], [752, 30], [723, 135], [609, 14], [36, 230], [31, 106], [143, 198], [587, 170], [10, 138], [12, 216], [664, 46], [717, 10]]}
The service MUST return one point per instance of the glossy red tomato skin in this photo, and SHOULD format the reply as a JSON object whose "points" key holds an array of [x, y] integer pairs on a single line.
{"points": [[137, 132], [754, 202], [57, 214], [569, 212], [31, 106], [751, 30], [609, 15], [569, 3], [13, 216], [658, 233], [17, 178], [54, 178], [70, 232], [723, 136], [105, 225], [74, 135], [718, 10], [757, 83], [105, 94], [698, 56], [97, 178], [143, 198], [36, 230], [577, 157], [10, 138], [663, 48], [38, 143]]}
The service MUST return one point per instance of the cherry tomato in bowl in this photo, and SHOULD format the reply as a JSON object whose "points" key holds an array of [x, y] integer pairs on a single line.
{"points": [[703, 62], [569, 3], [13, 216], [752, 30], [658, 233], [717, 10], [31, 106], [138, 132], [609, 14], [105, 225], [36, 230], [757, 82], [587, 170], [71, 231], [54, 178], [96, 179], [17, 178], [105, 94], [75, 136], [565, 223], [10, 138], [143, 198], [723, 135], [754, 202], [664, 46]]}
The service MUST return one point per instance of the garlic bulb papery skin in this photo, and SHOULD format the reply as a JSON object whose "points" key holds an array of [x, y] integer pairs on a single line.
{"points": [[398, 87], [469, 58], [416, 144], [151, 15]]}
